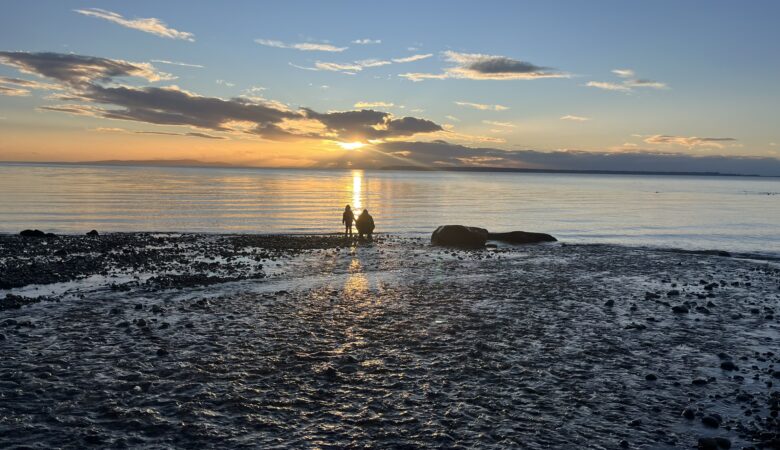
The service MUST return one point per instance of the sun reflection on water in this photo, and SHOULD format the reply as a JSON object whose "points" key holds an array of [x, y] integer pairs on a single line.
{"points": [[357, 283], [357, 190]]}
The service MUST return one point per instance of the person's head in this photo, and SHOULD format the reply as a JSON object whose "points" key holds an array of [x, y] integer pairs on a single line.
{"points": [[365, 211], [346, 208]]}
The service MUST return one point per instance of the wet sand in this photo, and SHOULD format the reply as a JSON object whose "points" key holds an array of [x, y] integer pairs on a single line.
{"points": [[161, 340]]}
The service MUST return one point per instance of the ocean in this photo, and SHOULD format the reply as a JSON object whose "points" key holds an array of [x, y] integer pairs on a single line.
{"points": [[738, 214]]}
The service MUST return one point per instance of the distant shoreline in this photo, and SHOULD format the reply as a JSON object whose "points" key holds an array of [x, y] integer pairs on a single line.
{"points": [[194, 164]]}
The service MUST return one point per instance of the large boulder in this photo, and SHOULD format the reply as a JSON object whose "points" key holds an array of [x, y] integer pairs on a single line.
{"points": [[36, 234], [521, 237], [459, 236]]}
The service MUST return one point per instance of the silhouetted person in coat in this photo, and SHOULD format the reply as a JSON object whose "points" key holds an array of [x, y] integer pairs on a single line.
{"points": [[347, 218], [365, 225]]}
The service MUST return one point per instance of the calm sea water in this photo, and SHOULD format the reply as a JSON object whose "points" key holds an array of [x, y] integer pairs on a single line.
{"points": [[731, 213]]}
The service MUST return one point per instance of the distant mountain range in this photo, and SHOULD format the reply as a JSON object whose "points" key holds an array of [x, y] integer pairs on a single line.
{"points": [[204, 164]]}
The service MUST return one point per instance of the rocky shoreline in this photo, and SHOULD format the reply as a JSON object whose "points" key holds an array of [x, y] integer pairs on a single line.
{"points": [[147, 339]]}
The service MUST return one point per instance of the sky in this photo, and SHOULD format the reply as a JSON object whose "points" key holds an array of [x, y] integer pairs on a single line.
{"points": [[616, 85]]}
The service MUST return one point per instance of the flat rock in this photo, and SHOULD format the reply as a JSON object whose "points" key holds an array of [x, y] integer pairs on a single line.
{"points": [[521, 237]]}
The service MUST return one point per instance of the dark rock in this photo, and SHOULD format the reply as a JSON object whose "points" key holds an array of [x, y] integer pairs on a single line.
{"points": [[624, 444], [521, 237], [709, 443], [162, 352], [609, 303], [651, 296], [141, 323], [680, 309], [710, 421], [651, 377], [635, 423], [698, 382], [32, 233], [673, 293], [93, 233], [459, 236], [689, 413], [728, 365]]}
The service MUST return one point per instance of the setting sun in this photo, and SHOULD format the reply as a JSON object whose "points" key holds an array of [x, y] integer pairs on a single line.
{"points": [[351, 145]]}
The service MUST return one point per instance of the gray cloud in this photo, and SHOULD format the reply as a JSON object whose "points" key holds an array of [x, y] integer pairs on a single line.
{"points": [[76, 70], [476, 66], [502, 64], [370, 124], [173, 106]]}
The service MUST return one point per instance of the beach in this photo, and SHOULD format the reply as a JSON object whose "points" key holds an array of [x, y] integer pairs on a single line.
{"points": [[278, 341]]}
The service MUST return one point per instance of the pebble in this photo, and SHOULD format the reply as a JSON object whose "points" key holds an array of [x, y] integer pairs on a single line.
{"points": [[713, 443], [710, 421]]}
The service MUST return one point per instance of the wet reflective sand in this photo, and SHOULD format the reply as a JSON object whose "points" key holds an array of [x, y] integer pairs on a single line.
{"points": [[398, 344]]}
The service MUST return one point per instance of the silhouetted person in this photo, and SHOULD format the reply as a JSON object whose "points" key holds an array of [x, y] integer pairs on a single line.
{"points": [[365, 225], [347, 218]]}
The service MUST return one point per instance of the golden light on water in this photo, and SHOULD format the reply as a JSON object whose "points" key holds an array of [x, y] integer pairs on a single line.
{"points": [[357, 190], [351, 145]]}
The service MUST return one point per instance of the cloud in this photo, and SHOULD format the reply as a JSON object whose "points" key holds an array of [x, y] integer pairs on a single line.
{"points": [[363, 105], [646, 84], [412, 58], [13, 91], [225, 83], [92, 83], [76, 110], [174, 63], [163, 133], [302, 46], [476, 66], [17, 87], [191, 134], [498, 124], [482, 106], [607, 86], [442, 153], [368, 124], [452, 118], [367, 41], [575, 118], [689, 141], [76, 70], [624, 73], [628, 84], [149, 25], [351, 68]]}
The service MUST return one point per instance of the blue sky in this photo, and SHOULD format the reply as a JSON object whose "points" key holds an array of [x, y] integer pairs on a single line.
{"points": [[697, 78]]}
